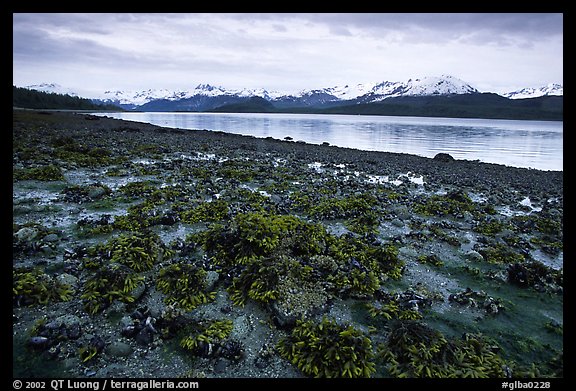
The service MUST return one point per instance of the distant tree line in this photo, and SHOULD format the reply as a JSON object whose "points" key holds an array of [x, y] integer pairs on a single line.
{"points": [[480, 105], [32, 99]]}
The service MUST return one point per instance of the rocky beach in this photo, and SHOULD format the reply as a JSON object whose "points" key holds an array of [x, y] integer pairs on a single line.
{"points": [[148, 252]]}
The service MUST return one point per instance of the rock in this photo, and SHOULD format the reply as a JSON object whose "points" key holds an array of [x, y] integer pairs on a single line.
{"points": [[474, 256], [51, 238], [129, 331], [74, 331], [96, 192], [138, 291], [402, 212], [68, 320], [398, 223], [241, 328], [282, 317], [21, 209], [211, 279], [144, 337], [119, 349], [468, 217], [67, 279], [26, 234], [220, 366], [97, 342], [443, 157], [125, 321], [39, 343], [70, 363]]}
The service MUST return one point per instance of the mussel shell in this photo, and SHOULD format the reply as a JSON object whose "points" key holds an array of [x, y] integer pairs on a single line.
{"points": [[39, 343]]}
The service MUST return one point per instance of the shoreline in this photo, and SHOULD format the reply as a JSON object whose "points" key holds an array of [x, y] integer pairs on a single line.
{"points": [[540, 165], [453, 231]]}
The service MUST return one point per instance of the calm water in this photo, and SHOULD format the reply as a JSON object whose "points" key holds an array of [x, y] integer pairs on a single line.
{"points": [[534, 144]]}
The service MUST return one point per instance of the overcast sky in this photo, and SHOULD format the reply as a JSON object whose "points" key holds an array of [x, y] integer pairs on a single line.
{"points": [[91, 53]]}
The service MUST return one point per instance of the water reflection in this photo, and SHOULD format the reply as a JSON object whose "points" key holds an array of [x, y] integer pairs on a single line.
{"points": [[536, 144]]}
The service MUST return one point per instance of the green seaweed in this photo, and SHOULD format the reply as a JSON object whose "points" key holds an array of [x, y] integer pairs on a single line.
{"points": [[214, 333], [454, 203], [107, 284], [138, 250], [206, 212], [259, 280], [390, 308], [43, 173], [184, 285], [416, 350], [501, 254], [535, 274], [33, 286], [327, 349]]}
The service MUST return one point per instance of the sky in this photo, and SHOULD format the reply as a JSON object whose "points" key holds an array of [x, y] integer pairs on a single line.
{"points": [[91, 53]]}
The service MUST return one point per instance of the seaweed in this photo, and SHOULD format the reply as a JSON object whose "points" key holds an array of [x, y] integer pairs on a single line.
{"points": [[43, 173], [205, 212], [184, 285], [454, 203], [535, 274], [413, 349], [138, 250], [107, 284], [33, 286], [327, 349], [211, 339]]}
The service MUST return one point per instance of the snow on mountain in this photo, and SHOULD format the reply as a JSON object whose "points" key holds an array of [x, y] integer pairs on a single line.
{"points": [[443, 85], [550, 89], [349, 92], [141, 97], [388, 88], [259, 92], [52, 88], [360, 93], [135, 97]]}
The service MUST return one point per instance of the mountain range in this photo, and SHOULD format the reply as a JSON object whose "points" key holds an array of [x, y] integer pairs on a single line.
{"points": [[359, 98]]}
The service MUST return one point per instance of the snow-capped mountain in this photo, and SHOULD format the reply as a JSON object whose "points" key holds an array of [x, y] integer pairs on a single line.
{"points": [[207, 97], [134, 97], [52, 88], [138, 98], [373, 92], [427, 86], [349, 92], [443, 85], [548, 90]]}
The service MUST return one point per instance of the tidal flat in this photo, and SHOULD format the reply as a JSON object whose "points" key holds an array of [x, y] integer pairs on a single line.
{"points": [[147, 252]]}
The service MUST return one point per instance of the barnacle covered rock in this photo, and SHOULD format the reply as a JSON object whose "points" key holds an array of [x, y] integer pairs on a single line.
{"points": [[212, 340], [405, 305], [264, 254], [537, 275], [479, 299]]}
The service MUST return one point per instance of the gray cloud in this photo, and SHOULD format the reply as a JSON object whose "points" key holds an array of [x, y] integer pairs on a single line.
{"points": [[284, 50], [522, 25]]}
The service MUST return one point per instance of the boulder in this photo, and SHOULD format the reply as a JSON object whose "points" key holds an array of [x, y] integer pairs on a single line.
{"points": [[443, 157]]}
